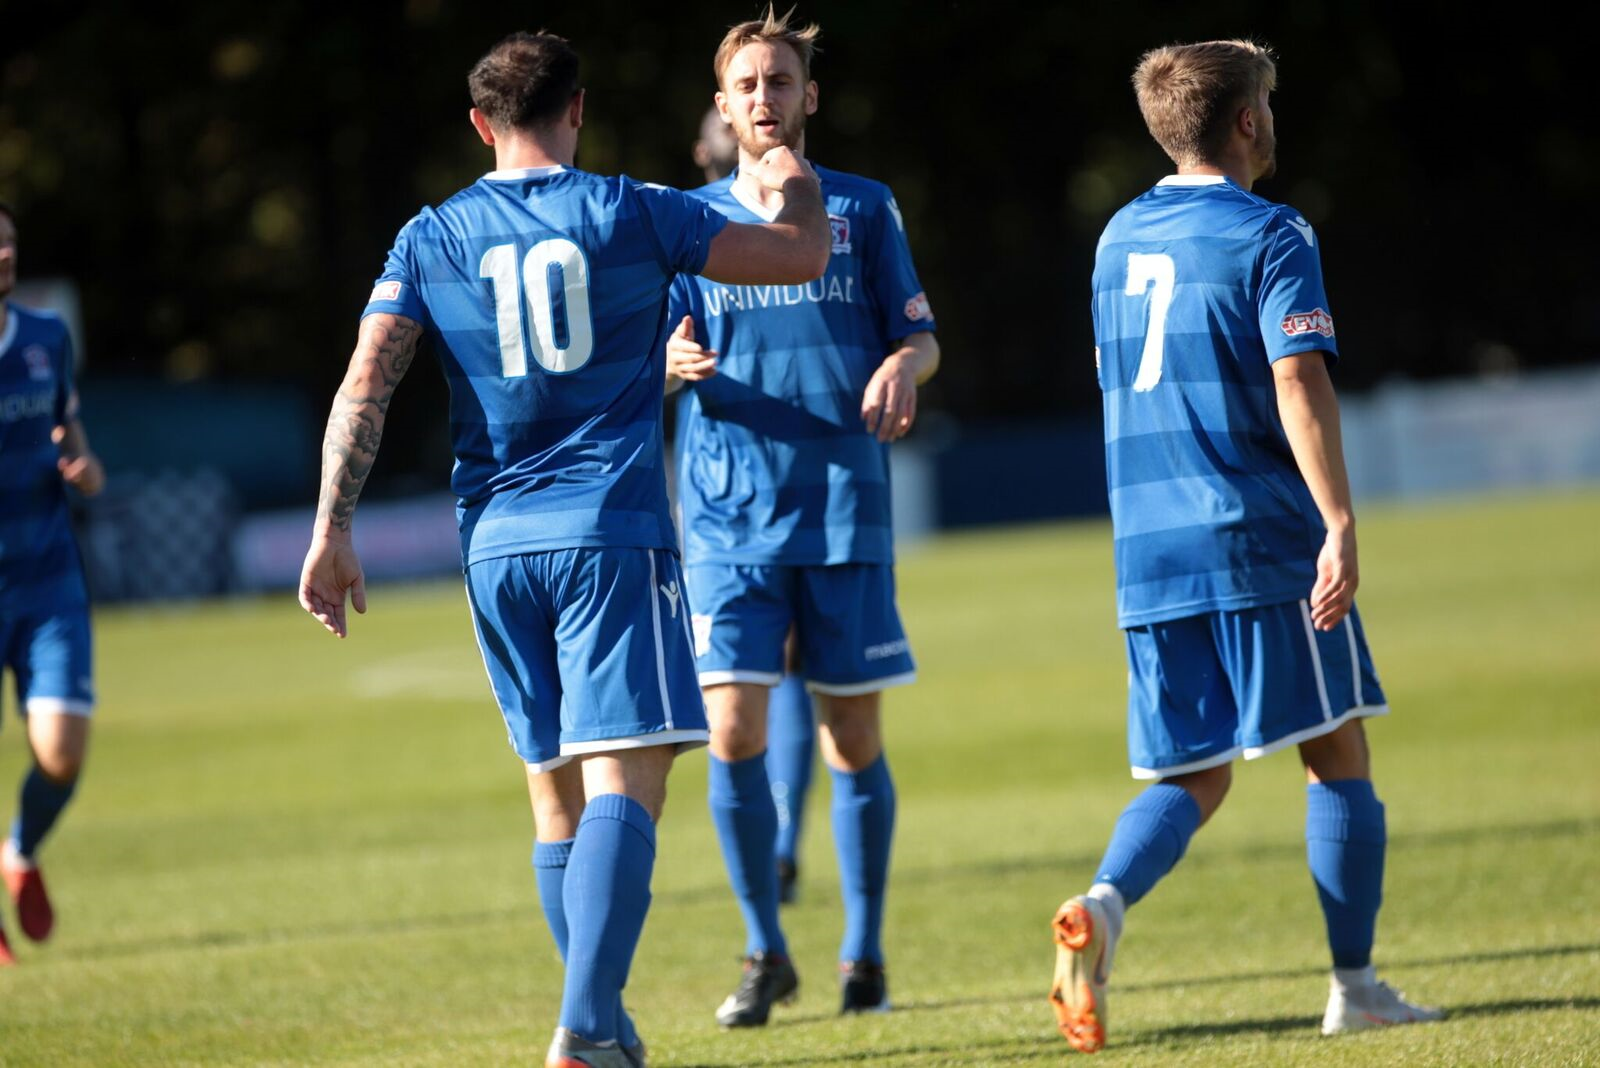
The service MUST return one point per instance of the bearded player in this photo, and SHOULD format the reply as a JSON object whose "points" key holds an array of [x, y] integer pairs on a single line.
{"points": [[793, 396]]}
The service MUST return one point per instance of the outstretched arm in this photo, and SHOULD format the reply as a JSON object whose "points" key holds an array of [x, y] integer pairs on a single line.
{"points": [[793, 248], [1310, 413], [355, 426]]}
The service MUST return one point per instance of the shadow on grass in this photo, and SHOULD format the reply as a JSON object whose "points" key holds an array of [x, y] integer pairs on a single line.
{"points": [[986, 870], [1051, 1049]]}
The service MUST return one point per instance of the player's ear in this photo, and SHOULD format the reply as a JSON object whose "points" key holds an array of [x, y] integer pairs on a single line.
{"points": [[1246, 122], [575, 111], [811, 98], [721, 100], [480, 122]]}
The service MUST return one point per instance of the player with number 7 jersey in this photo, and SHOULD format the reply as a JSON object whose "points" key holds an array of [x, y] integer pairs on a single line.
{"points": [[543, 289]]}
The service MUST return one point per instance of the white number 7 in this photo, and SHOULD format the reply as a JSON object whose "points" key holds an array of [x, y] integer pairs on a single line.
{"points": [[1144, 269]]}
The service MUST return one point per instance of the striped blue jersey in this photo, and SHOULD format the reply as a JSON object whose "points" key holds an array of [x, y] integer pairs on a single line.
{"points": [[1199, 286], [39, 564], [775, 465], [544, 291]]}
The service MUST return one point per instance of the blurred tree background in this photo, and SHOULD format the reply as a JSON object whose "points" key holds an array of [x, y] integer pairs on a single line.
{"points": [[223, 180]]}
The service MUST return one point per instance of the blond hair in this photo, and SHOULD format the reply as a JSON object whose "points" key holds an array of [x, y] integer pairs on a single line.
{"points": [[1189, 94], [772, 28]]}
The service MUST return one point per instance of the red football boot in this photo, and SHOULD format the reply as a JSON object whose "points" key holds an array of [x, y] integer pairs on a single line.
{"points": [[25, 884]]}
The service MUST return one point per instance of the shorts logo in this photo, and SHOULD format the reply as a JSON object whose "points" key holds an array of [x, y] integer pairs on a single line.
{"points": [[1315, 321], [841, 232], [385, 291], [670, 591], [885, 650], [701, 625], [918, 308], [38, 361]]}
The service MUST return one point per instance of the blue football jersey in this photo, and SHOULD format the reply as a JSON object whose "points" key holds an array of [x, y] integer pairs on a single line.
{"points": [[775, 465], [1199, 285], [39, 564], [544, 291]]}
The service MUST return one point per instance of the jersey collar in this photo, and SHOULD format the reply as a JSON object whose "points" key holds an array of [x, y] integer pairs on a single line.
{"points": [[750, 203], [1192, 179], [517, 174]]}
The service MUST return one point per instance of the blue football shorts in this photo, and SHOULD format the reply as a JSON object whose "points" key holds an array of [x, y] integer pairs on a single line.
{"points": [[1205, 689], [52, 658], [849, 633], [587, 651]]}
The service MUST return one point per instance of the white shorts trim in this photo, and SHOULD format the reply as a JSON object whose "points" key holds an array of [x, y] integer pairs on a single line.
{"points": [[856, 689], [58, 706], [661, 650], [683, 739], [1252, 752], [1202, 764], [1315, 731], [1316, 663], [757, 678]]}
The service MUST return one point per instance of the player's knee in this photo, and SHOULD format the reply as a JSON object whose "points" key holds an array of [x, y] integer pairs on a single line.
{"points": [[1208, 787], [1340, 755], [736, 738], [59, 765], [852, 744]]}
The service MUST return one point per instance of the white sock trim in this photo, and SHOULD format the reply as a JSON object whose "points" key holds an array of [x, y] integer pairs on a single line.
{"points": [[1355, 978]]}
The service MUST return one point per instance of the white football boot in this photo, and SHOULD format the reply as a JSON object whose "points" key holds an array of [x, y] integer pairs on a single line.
{"points": [[1370, 1002]]}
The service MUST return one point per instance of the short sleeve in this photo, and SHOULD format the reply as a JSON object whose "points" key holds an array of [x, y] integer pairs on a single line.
{"points": [[395, 291], [902, 305], [66, 401], [683, 226], [1292, 305]]}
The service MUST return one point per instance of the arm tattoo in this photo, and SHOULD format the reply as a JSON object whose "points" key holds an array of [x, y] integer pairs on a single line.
{"points": [[355, 426]]}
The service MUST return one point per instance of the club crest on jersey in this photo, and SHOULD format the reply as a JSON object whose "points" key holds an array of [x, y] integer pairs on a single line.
{"points": [[918, 308], [38, 361], [841, 232], [385, 291], [1315, 321]]}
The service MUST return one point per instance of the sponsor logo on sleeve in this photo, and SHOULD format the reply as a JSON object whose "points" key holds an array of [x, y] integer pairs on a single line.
{"points": [[1315, 321], [841, 232], [918, 308], [385, 291], [1303, 228]]}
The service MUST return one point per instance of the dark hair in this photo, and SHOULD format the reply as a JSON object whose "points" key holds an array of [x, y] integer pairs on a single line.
{"points": [[526, 81]]}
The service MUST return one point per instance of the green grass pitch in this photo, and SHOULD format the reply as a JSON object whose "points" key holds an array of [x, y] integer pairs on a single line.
{"points": [[294, 850]]}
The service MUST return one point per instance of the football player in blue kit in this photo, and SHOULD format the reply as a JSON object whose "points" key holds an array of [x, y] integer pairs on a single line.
{"points": [[544, 291], [793, 396], [44, 604], [1235, 541], [791, 721]]}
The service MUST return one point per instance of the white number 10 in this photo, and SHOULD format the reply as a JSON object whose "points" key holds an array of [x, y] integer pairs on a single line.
{"points": [[1144, 269], [555, 290]]}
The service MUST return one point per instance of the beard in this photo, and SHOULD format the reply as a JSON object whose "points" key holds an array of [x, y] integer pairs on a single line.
{"points": [[757, 142], [1266, 156]]}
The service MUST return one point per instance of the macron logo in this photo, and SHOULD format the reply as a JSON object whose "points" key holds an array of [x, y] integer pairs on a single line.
{"points": [[1304, 229], [1315, 321], [670, 591]]}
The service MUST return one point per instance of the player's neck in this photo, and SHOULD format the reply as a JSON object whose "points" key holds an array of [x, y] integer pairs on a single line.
{"points": [[521, 151], [5, 311], [1239, 172]]}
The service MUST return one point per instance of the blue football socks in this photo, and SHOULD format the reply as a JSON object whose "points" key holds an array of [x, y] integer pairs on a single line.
{"points": [[863, 831], [791, 753], [747, 827], [605, 895], [1345, 842], [40, 806], [550, 869], [1150, 837]]}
